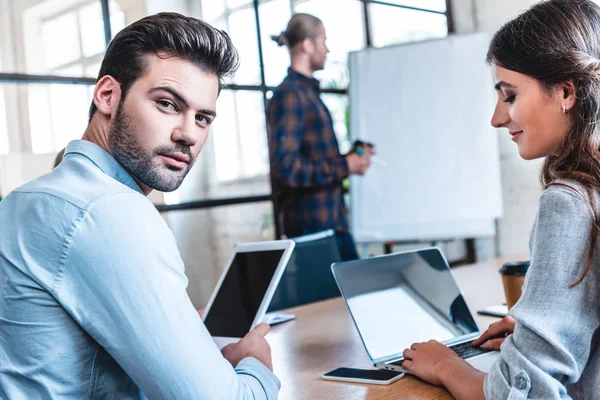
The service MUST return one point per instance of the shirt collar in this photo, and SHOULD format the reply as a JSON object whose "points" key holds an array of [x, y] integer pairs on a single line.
{"points": [[301, 78], [103, 160]]}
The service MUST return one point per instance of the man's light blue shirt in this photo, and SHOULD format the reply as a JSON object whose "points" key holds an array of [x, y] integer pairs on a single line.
{"points": [[93, 300]]}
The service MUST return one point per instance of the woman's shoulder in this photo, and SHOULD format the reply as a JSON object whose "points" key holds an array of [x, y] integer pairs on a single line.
{"points": [[567, 196], [565, 189]]}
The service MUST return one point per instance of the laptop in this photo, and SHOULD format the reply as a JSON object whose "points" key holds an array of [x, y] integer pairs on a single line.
{"points": [[398, 299], [245, 288]]}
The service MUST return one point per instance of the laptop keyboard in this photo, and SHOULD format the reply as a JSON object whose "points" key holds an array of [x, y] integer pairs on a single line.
{"points": [[464, 350]]}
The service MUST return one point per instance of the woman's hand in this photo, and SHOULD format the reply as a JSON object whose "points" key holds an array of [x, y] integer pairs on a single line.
{"points": [[496, 334], [429, 360]]}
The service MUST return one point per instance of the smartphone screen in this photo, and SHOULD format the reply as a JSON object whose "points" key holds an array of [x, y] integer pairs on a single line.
{"points": [[363, 374]]}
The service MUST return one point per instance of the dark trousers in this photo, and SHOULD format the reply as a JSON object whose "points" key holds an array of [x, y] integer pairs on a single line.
{"points": [[346, 246]]}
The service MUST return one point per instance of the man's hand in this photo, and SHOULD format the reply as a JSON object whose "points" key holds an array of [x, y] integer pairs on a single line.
{"points": [[251, 345], [358, 164], [496, 334]]}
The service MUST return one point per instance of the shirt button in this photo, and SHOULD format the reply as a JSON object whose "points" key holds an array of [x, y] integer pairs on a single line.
{"points": [[521, 382]]}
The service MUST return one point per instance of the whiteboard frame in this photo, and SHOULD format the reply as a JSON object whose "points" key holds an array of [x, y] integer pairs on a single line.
{"points": [[455, 229]]}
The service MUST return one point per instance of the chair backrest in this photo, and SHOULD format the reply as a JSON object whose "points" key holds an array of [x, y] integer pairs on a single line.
{"points": [[307, 277]]}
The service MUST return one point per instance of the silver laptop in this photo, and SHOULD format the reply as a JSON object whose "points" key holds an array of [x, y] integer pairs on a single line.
{"points": [[399, 299]]}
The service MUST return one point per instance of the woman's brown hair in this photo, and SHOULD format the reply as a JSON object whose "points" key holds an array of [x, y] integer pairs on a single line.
{"points": [[556, 41]]}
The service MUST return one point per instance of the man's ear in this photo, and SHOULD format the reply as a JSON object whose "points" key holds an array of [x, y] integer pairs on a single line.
{"points": [[308, 46], [107, 95]]}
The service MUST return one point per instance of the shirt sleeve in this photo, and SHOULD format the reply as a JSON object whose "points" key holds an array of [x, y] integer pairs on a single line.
{"points": [[553, 337], [124, 283], [290, 166]]}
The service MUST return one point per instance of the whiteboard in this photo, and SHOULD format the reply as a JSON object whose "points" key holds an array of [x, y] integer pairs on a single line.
{"points": [[427, 108]]}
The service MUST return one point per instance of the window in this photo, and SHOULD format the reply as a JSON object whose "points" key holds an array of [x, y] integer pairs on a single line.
{"points": [[66, 39], [416, 25], [60, 110], [3, 126], [240, 143], [345, 33], [274, 16], [338, 107], [224, 132], [249, 131], [67, 36], [242, 28], [240, 133], [434, 5]]}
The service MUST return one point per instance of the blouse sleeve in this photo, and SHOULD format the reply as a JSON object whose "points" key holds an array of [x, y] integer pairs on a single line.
{"points": [[553, 337]]}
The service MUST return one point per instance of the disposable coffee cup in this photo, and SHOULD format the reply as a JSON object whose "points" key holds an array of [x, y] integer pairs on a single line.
{"points": [[513, 279]]}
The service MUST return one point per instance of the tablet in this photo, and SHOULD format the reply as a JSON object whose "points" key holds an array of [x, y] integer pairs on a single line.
{"points": [[245, 288]]}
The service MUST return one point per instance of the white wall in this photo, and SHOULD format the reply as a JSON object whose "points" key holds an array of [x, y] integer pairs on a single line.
{"points": [[520, 184]]}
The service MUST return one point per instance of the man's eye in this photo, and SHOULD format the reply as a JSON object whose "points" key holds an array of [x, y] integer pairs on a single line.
{"points": [[167, 105], [203, 120]]}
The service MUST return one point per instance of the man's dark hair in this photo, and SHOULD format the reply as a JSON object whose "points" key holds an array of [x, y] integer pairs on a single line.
{"points": [[301, 26], [167, 35]]}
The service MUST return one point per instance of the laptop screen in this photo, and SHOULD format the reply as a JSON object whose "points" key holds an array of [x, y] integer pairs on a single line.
{"points": [[400, 299]]}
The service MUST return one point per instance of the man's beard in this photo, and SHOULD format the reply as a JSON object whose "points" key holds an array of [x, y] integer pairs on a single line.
{"points": [[317, 65], [125, 145]]}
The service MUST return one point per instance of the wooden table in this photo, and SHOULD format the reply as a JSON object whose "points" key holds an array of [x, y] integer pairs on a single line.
{"points": [[323, 337]]}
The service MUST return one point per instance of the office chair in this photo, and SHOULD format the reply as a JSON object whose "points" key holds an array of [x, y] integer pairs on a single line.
{"points": [[307, 277]]}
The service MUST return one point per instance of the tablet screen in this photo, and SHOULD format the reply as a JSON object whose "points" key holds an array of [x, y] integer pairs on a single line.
{"points": [[235, 305]]}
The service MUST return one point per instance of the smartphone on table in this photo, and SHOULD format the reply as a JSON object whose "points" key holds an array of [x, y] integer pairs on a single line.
{"points": [[372, 376]]}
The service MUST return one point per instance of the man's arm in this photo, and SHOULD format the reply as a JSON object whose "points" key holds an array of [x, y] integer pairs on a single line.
{"points": [[124, 283], [292, 168]]}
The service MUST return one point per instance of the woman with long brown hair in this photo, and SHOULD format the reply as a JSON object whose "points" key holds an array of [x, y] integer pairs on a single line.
{"points": [[546, 67]]}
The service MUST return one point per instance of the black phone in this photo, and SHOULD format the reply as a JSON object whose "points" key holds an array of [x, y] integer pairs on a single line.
{"points": [[359, 145], [374, 376]]}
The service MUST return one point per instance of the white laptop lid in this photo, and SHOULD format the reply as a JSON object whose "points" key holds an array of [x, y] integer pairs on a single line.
{"points": [[398, 299], [245, 288]]}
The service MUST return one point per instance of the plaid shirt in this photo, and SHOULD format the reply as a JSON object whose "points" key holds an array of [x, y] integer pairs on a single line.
{"points": [[306, 165]]}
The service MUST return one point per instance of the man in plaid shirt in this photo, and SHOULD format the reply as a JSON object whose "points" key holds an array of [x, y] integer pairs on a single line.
{"points": [[306, 165]]}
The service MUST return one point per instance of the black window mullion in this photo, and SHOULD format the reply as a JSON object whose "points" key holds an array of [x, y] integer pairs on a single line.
{"points": [[450, 17], [261, 59], [264, 89], [367, 17], [385, 3], [106, 21]]}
